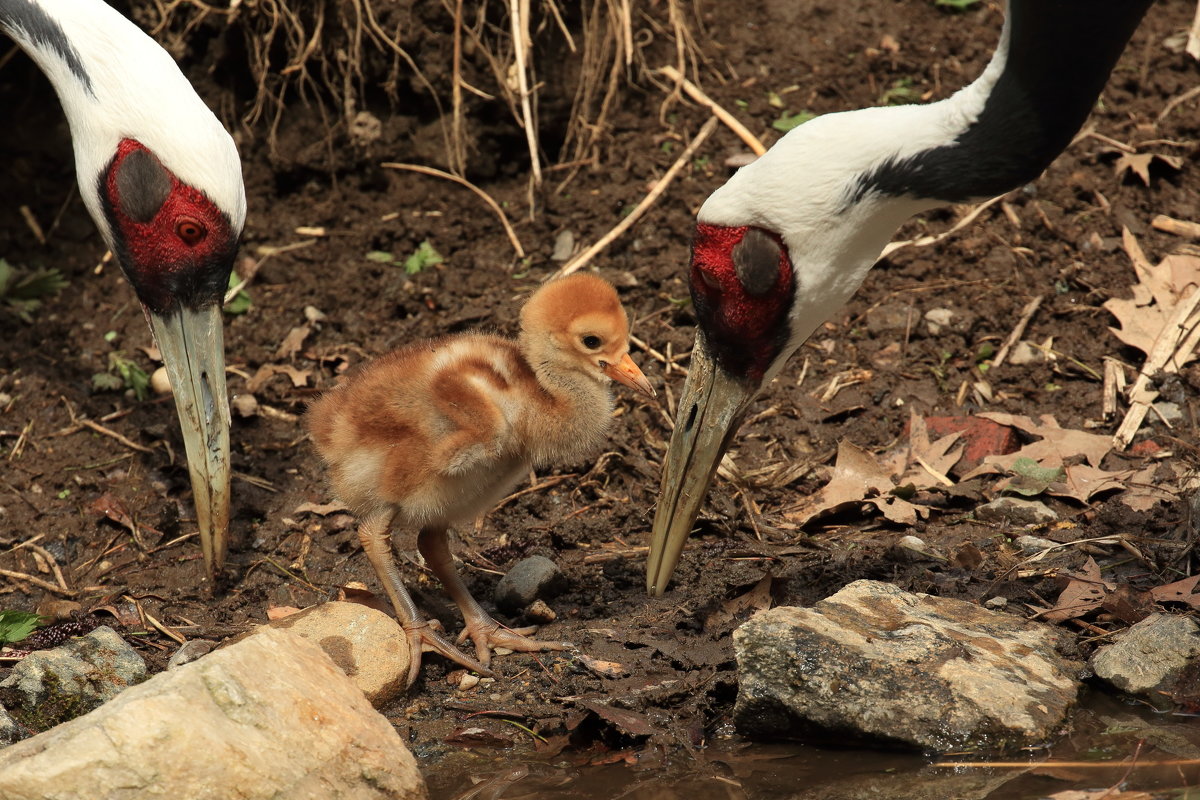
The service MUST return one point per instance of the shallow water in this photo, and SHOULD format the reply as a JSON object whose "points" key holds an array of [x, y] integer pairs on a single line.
{"points": [[1095, 755]]}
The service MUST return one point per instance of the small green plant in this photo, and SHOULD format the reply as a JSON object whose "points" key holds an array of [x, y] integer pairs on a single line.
{"points": [[16, 625], [1031, 478], [24, 292], [240, 303], [122, 374], [901, 92], [424, 256], [787, 122], [955, 5]]}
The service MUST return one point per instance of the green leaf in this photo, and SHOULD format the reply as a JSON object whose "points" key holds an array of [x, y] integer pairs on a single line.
{"points": [[787, 122], [774, 100], [23, 292], [381, 257], [1031, 478], [901, 93], [240, 303], [107, 382], [956, 5], [16, 625], [64, 494], [425, 256], [131, 375]]}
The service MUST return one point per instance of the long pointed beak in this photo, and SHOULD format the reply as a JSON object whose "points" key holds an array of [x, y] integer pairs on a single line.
{"points": [[193, 351], [710, 411], [627, 372]]}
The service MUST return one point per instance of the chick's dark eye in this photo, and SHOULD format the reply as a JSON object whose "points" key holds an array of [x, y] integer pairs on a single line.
{"points": [[191, 231], [591, 342]]}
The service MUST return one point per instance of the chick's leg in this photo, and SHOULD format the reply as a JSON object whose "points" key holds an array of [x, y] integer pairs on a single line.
{"points": [[484, 631], [374, 534]]}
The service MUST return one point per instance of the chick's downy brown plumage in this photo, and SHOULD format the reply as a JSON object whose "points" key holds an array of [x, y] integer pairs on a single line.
{"points": [[437, 432]]}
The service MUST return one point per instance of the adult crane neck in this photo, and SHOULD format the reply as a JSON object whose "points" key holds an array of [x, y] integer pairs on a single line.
{"points": [[1053, 60]]}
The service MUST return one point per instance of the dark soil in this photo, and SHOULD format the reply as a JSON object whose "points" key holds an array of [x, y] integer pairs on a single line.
{"points": [[675, 651]]}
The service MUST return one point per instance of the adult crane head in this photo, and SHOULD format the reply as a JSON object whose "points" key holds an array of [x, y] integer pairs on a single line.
{"points": [[162, 179], [788, 239]]}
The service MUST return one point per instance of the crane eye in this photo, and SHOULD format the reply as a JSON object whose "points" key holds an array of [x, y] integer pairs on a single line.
{"points": [[591, 341], [191, 231]]}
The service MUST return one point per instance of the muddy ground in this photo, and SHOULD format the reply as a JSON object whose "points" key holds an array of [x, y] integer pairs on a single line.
{"points": [[1061, 241]]}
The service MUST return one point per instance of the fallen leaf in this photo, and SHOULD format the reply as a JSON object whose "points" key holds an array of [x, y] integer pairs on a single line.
{"points": [[111, 506], [758, 599], [1128, 604], [1142, 492], [293, 342], [1156, 294], [1053, 447], [280, 612], [1139, 164], [605, 669], [858, 477], [1083, 482], [1184, 591], [477, 737], [1083, 594], [629, 722], [319, 509], [263, 375]]}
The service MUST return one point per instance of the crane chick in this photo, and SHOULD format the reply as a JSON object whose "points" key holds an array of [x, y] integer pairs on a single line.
{"points": [[437, 432]]}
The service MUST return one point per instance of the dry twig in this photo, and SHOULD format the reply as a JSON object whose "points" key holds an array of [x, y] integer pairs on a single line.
{"points": [[586, 256], [1018, 330], [492, 204], [693, 91]]}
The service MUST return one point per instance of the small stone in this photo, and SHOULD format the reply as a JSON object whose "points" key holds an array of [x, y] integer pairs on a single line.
{"points": [[564, 246], [1024, 353], [540, 613], [938, 320], [913, 548], [48, 687], [160, 382], [995, 603], [369, 645], [245, 405], [1170, 413], [1034, 544], [189, 651], [533, 578], [468, 681], [314, 314], [1016, 511], [1150, 658], [267, 717], [892, 318]]}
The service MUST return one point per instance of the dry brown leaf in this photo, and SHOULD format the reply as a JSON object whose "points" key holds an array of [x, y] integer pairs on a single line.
{"points": [[1142, 492], [1083, 594], [293, 342], [858, 477], [921, 462], [605, 669], [758, 599], [111, 506], [1184, 591], [1139, 164], [280, 612], [320, 510], [263, 375], [1084, 481], [1156, 294], [1054, 446]]}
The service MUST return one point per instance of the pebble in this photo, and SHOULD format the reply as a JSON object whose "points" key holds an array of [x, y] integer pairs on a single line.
{"points": [[1170, 413], [530, 579], [938, 320], [540, 613], [1016, 511], [1024, 353], [189, 651], [1033, 544], [564, 246]]}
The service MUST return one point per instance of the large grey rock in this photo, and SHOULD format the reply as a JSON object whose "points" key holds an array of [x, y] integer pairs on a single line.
{"points": [[533, 578], [878, 663], [1150, 657], [269, 717], [1016, 511], [52, 686], [368, 645]]}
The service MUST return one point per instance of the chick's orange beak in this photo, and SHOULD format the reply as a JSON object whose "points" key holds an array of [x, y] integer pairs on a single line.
{"points": [[627, 372]]}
